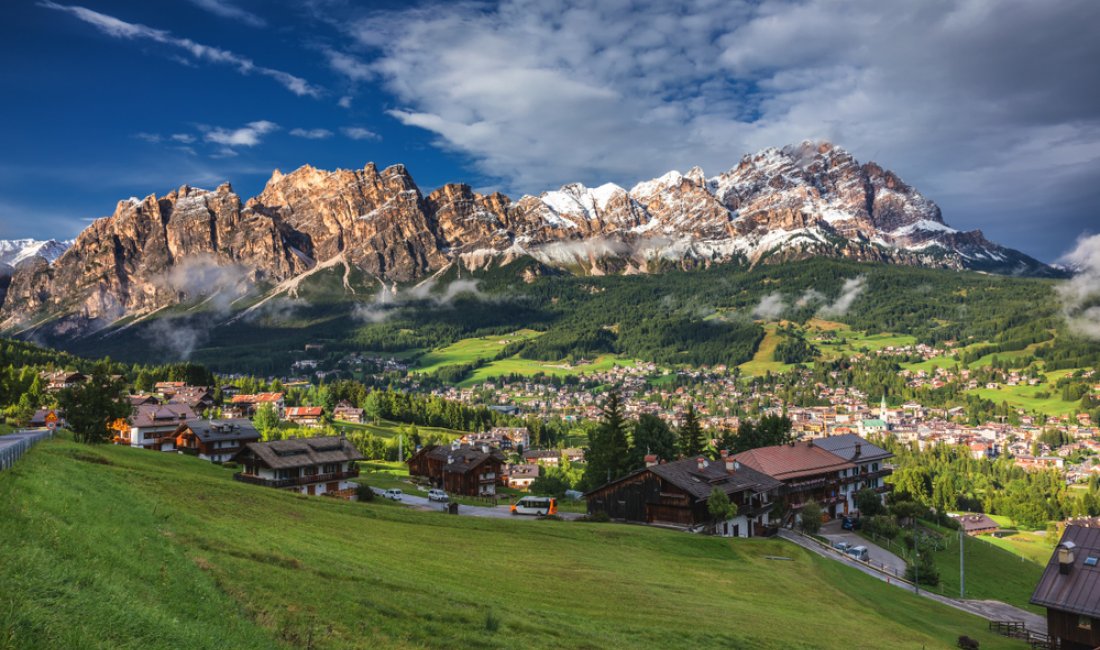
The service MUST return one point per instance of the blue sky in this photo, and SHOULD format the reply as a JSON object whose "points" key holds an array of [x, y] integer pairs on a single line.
{"points": [[990, 108]]}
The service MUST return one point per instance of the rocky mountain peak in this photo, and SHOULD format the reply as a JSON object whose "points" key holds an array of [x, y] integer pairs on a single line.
{"points": [[813, 198]]}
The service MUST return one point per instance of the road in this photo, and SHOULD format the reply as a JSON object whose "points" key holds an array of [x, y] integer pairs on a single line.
{"points": [[498, 512], [880, 557], [990, 610]]}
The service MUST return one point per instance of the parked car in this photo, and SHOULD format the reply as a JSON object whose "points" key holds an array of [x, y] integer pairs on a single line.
{"points": [[859, 553], [850, 523], [842, 546], [393, 493], [438, 495]]}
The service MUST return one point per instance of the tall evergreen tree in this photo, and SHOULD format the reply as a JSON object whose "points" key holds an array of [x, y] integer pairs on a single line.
{"points": [[608, 448], [651, 436], [91, 407], [691, 434]]}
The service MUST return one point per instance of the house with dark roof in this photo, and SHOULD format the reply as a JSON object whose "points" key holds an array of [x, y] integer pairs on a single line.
{"points": [[675, 494], [977, 524], [320, 465], [470, 470], [152, 426], [215, 440], [1070, 590], [870, 470]]}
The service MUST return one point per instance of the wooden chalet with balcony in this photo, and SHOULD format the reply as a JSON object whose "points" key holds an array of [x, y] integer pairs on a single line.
{"points": [[870, 469], [811, 473], [1070, 590], [320, 465], [215, 440], [468, 470], [675, 494], [152, 426]]}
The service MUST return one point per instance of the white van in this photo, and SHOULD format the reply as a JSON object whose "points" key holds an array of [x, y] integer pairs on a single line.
{"points": [[437, 495], [393, 493], [541, 506]]}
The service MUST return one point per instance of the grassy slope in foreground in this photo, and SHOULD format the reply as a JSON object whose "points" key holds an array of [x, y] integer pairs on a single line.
{"points": [[114, 547]]}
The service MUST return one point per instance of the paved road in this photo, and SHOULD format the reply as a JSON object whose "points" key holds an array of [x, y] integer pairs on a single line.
{"points": [[880, 557], [499, 512], [990, 610]]}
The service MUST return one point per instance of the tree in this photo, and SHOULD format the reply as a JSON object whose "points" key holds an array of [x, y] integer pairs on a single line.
{"points": [[869, 503], [691, 434], [607, 445], [811, 518], [372, 406], [652, 435], [266, 419], [92, 406], [771, 430], [719, 506]]}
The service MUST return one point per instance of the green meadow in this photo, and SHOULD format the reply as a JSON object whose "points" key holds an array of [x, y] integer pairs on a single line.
{"points": [[112, 547]]}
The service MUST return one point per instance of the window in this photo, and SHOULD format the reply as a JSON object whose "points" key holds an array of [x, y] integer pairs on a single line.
{"points": [[1090, 560], [1084, 622]]}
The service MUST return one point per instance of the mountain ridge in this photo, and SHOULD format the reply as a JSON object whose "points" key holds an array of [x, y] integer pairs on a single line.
{"points": [[777, 204]]}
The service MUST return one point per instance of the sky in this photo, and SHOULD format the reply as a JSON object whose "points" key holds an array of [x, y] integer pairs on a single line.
{"points": [[990, 108]]}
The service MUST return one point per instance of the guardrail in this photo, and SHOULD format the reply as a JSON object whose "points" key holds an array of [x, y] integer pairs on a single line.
{"points": [[14, 445]]}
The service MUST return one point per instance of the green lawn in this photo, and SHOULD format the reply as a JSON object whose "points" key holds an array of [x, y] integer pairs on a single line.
{"points": [[991, 572], [1026, 545], [1025, 397], [388, 429], [519, 366], [113, 547], [470, 350], [764, 358]]}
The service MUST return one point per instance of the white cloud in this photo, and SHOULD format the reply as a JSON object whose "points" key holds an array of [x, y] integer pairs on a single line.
{"points": [[117, 28], [185, 138], [849, 291], [231, 11], [349, 66], [345, 102], [248, 135], [770, 307], [541, 93], [359, 133], [311, 134], [151, 138], [1081, 294]]}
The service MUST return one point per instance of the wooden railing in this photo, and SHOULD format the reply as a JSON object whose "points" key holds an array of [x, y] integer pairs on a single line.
{"points": [[1018, 630]]}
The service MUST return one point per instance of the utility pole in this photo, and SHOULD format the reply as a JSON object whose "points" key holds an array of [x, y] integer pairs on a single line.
{"points": [[962, 564], [916, 558]]}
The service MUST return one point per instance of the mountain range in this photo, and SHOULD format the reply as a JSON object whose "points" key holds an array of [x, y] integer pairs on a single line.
{"points": [[812, 199]]}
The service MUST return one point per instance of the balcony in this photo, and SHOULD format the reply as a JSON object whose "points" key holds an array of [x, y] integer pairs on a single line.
{"points": [[300, 480]]}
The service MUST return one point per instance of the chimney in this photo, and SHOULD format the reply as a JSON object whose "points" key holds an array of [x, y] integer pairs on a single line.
{"points": [[484, 448], [702, 463], [1065, 557], [650, 460], [731, 464], [450, 459], [859, 450], [724, 453]]}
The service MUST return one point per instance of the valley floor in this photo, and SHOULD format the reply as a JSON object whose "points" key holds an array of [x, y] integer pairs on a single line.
{"points": [[113, 547]]}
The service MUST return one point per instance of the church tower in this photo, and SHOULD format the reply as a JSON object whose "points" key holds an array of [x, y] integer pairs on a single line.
{"points": [[882, 409]]}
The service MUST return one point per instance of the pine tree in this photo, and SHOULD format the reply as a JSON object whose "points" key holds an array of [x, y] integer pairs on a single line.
{"points": [[607, 445], [691, 434]]}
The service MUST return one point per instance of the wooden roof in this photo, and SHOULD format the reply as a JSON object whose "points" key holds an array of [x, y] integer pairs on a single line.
{"points": [[1077, 591], [302, 452]]}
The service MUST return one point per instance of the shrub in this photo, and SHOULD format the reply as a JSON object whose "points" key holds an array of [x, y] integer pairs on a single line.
{"points": [[364, 493], [811, 518], [882, 525], [598, 517], [230, 465]]}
